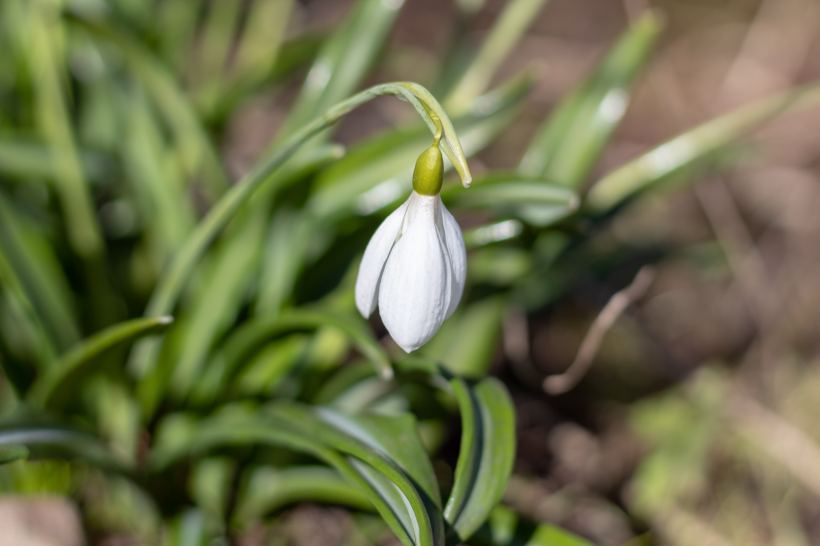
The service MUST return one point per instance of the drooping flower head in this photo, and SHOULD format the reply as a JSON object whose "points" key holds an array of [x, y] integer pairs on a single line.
{"points": [[414, 266]]}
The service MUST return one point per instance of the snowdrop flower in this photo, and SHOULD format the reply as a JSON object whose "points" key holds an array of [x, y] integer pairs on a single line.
{"points": [[415, 265]]}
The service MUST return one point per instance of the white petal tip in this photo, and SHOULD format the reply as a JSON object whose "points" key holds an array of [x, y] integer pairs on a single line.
{"points": [[407, 348]]}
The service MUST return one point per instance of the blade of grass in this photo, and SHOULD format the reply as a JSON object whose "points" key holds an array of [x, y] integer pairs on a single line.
{"points": [[288, 239], [29, 343], [28, 159], [569, 144], [516, 16], [40, 276], [167, 210], [232, 269], [43, 56], [258, 49], [343, 61], [212, 53], [197, 154], [78, 359], [685, 150]]}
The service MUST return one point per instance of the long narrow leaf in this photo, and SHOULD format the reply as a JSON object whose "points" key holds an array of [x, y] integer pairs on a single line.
{"points": [[40, 275], [74, 362], [508, 29], [343, 61], [568, 146], [671, 157], [486, 456]]}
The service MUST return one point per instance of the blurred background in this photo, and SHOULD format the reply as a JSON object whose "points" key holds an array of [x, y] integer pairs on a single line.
{"points": [[689, 414]]}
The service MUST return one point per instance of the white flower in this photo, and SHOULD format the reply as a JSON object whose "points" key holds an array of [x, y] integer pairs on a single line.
{"points": [[414, 267]]}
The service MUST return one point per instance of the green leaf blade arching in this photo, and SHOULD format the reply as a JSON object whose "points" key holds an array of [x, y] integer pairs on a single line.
{"points": [[75, 361], [486, 457], [382, 481], [569, 144], [270, 489]]}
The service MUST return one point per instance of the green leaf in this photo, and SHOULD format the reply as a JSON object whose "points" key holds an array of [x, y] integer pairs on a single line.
{"points": [[289, 236], [166, 209], [510, 25], [261, 55], [486, 455], [270, 489], [77, 361], [44, 442], [214, 308], [535, 201], [379, 479], [193, 145], [27, 347], [397, 437], [44, 55], [399, 451], [343, 61], [506, 528], [569, 144], [12, 452], [30, 159], [40, 275], [251, 335], [685, 150]]}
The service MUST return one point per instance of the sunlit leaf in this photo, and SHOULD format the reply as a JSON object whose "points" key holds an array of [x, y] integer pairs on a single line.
{"points": [[569, 144], [671, 157], [486, 454]]}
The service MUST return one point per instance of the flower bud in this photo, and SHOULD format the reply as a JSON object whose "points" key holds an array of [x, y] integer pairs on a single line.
{"points": [[428, 172]]}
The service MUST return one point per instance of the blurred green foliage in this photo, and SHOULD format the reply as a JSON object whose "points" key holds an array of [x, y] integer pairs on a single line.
{"points": [[266, 388]]}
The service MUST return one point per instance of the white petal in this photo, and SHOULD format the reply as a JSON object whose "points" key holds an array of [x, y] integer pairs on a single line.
{"points": [[414, 293], [375, 256], [458, 257]]}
